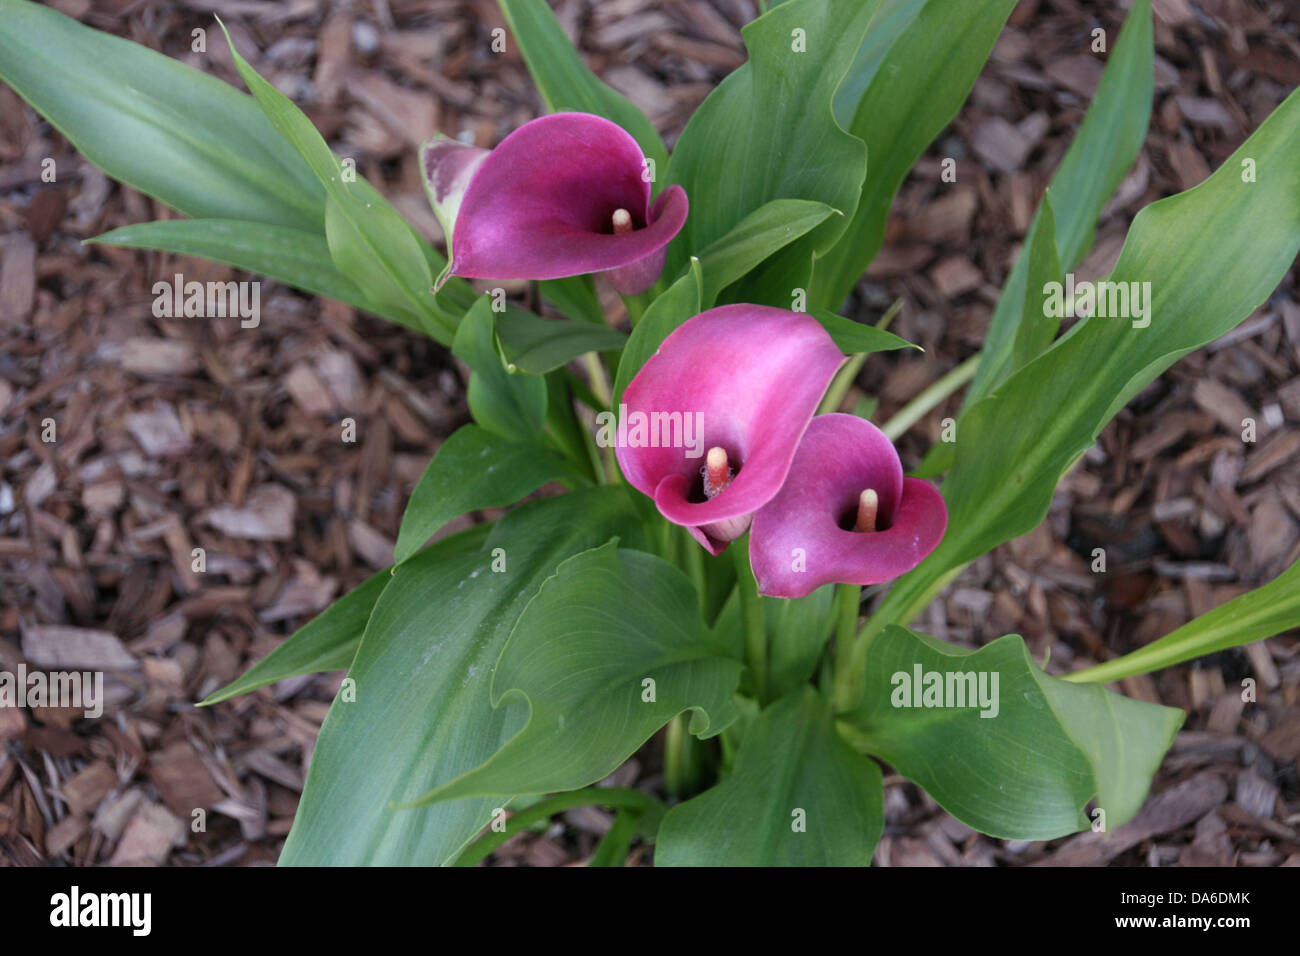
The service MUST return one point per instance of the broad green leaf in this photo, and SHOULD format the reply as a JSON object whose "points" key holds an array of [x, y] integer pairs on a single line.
{"points": [[854, 337], [565, 82], [1253, 616], [364, 247], [797, 796], [797, 632], [328, 642], [510, 404], [679, 302], [1037, 327], [999, 744], [575, 296], [891, 19], [1102, 151], [1210, 255], [169, 130], [296, 258], [609, 651], [537, 345], [772, 226], [913, 94], [422, 714], [368, 241], [473, 469], [767, 132]]}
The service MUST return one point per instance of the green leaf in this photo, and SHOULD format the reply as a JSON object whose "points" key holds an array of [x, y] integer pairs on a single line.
{"points": [[565, 82], [537, 345], [1037, 328], [797, 632], [767, 132], [376, 251], [679, 302], [767, 229], [1210, 255], [1102, 151], [292, 256], [422, 714], [368, 241], [512, 405], [581, 655], [891, 19], [168, 130], [473, 469], [925, 76], [1028, 769], [575, 296], [328, 642], [798, 796], [1253, 616], [854, 338]]}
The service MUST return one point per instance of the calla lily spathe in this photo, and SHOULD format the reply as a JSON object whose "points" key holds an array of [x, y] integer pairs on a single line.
{"points": [[561, 196], [845, 514], [755, 374]]}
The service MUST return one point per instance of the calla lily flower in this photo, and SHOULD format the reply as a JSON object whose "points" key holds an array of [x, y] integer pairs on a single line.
{"points": [[750, 376], [560, 196], [845, 514]]}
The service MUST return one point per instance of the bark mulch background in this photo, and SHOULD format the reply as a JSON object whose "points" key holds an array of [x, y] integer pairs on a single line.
{"points": [[171, 435]]}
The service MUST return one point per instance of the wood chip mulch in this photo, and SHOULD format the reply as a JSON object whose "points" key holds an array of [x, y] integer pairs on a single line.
{"points": [[172, 435]]}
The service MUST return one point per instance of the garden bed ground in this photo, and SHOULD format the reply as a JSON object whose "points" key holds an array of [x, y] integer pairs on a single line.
{"points": [[175, 434]]}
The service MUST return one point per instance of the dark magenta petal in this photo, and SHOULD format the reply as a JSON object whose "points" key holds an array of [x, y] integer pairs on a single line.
{"points": [[668, 213], [541, 205], [798, 541], [751, 376]]}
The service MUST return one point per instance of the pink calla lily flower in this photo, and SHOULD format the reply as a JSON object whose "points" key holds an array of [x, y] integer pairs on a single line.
{"points": [[750, 377], [845, 514], [561, 196]]}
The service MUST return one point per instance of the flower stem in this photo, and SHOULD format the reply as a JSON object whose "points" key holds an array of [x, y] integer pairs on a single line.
{"points": [[848, 374], [613, 846], [900, 606], [919, 407], [650, 810], [598, 378], [752, 618], [693, 559], [603, 393], [841, 384], [636, 306], [680, 776], [848, 600]]}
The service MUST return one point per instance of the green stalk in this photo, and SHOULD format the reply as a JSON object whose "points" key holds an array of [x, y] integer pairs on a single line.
{"points": [[636, 306], [919, 407], [752, 619], [681, 778], [848, 374], [598, 378], [649, 809], [900, 606], [841, 384], [848, 603], [613, 846], [694, 566]]}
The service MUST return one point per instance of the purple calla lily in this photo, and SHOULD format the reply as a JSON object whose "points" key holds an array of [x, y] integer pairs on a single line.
{"points": [[751, 376], [562, 195], [846, 514]]}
